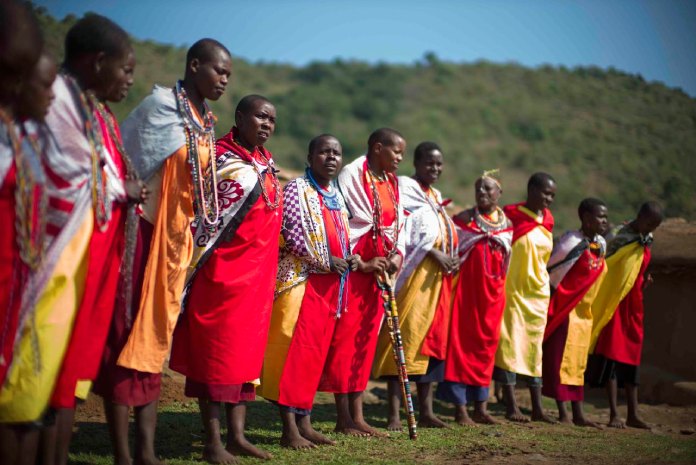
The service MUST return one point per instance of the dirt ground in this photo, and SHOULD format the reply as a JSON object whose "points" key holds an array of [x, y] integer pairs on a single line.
{"points": [[668, 357], [664, 419]]}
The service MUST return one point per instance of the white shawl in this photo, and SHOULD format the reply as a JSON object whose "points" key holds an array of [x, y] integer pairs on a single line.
{"points": [[422, 226], [468, 238], [350, 183], [560, 263], [153, 131]]}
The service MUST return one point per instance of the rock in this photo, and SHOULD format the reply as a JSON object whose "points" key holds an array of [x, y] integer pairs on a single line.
{"points": [[659, 386], [688, 431]]}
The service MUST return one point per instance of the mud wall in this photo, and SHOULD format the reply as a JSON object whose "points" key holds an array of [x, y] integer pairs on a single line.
{"points": [[670, 320]]}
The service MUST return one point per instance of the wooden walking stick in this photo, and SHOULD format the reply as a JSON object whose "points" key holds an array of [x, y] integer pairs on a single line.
{"points": [[386, 285]]}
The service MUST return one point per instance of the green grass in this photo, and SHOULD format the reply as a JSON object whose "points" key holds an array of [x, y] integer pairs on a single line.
{"points": [[179, 437]]}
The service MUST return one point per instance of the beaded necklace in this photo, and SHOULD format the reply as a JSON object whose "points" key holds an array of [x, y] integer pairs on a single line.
{"points": [[378, 228], [111, 127], [30, 219], [30, 180], [596, 252], [100, 199], [125, 295], [204, 187], [486, 225], [31, 236], [332, 203], [443, 219], [489, 228], [330, 198], [272, 205]]}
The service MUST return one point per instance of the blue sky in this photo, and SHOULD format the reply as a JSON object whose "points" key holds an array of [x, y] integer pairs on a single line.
{"points": [[656, 38]]}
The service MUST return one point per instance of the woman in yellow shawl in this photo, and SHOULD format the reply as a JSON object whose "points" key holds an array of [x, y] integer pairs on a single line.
{"points": [[423, 286]]}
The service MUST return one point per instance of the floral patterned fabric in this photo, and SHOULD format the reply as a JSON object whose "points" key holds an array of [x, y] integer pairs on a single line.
{"points": [[303, 244]]}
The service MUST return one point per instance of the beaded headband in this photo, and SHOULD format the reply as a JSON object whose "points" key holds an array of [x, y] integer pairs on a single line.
{"points": [[493, 175]]}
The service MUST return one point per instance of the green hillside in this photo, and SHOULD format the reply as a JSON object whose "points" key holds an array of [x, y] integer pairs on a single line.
{"points": [[601, 133]]}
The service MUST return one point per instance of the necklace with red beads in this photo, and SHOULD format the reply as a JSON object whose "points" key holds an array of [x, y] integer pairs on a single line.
{"points": [[490, 227], [379, 229], [272, 205]]}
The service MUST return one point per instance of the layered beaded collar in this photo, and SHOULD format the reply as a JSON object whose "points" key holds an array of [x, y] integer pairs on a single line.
{"points": [[330, 197], [485, 222], [204, 183]]}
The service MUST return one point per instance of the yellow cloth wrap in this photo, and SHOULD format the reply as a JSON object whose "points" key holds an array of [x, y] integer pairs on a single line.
{"points": [[574, 359], [416, 302], [622, 271], [286, 310], [27, 391], [527, 294]]}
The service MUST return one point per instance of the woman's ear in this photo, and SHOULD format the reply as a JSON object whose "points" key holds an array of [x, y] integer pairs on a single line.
{"points": [[194, 65], [99, 60]]}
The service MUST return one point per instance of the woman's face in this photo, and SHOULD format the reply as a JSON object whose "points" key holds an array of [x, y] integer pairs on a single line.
{"points": [[37, 92], [115, 76], [257, 125], [326, 159], [487, 193]]}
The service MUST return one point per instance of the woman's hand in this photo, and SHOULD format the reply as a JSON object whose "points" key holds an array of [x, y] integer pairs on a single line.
{"points": [[376, 265], [339, 265], [448, 264], [395, 262], [353, 261]]}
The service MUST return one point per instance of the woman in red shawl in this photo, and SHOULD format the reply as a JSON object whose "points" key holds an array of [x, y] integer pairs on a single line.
{"points": [[220, 338], [485, 237]]}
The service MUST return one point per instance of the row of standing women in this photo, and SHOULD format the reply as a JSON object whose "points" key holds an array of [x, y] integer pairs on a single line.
{"points": [[123, 243]]}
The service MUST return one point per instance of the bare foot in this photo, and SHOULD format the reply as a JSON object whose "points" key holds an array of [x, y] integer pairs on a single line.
{"points": [[350, 428], [465, 421], [394, 424], [431, 422], [616, 422], [635, 422], [218, 455], [461, 416], [351, 431], [244, 447], [297, 443], [541, 416], [484, 418], [517, 417], [363, 426], [565, 420], [316, 437], [584, 422]]}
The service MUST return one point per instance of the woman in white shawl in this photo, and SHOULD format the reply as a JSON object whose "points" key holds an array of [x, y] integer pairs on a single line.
{"points": [[423, 285]]}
